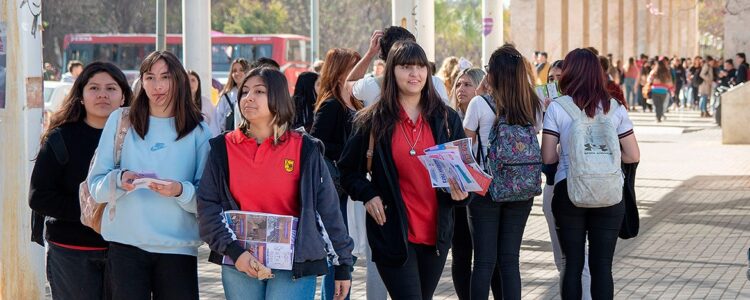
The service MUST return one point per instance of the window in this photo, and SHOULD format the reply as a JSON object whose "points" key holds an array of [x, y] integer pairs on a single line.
{"points": [[222, 55], [295, 50]]}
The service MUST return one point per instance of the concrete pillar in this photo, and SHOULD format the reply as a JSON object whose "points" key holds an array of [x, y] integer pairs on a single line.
{"points": [[653, 32], [683, 28], [692, 44], [417, 16], [492, 34], [736, 38], [596, 33], [553, 31], [21, 261], [196, 40], [614, 29], [641, 27], [161, 25], [576, 16], [523, 25], [314, 31], [630, 28], [673, 27]]}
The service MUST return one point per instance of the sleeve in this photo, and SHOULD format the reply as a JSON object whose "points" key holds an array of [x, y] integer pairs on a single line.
{"points": [[550, 124], [741, 74], [45, 193], [212, 224], [103, 179], [187, 200], [625, 128], [366, 89], [221, 112], [329, 210], [471, 119], [353, 167], [440, 88], [326, 127]]}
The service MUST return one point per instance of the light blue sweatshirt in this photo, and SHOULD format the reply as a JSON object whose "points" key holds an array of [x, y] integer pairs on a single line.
{"points": [[143, 218]]}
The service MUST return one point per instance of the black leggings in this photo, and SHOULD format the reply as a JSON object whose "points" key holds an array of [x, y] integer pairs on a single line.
{"points": [[601, 225], [461, 253], [418, 278]]}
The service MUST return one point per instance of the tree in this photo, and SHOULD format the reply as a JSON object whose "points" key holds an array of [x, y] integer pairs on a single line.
{"points": [[256, 17]]}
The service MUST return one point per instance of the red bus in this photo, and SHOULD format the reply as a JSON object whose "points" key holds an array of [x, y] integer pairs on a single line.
{"points": [[128, 50]]}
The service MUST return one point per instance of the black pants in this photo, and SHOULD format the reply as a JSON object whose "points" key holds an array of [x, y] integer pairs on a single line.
{"points": [[137, 274], [601, 225], [461, 252], [497, 228], [418, 278], [659, 102], [77, 274]]}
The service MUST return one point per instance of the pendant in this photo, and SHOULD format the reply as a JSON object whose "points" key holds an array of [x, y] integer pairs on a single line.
{"points": [[412, 152]]}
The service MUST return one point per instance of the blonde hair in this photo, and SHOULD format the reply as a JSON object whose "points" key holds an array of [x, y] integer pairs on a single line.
{"points": [[475, 75]]}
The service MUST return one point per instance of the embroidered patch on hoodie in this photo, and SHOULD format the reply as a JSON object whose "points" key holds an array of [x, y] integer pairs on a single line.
{"points": [[158, 146], [289, 165]]}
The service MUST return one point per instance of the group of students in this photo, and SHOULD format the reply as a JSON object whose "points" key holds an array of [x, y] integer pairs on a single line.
{"points": [[363, 143]]}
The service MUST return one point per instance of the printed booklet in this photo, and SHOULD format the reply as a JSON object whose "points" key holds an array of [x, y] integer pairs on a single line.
{"points": [[455, 160], [269, 237]]}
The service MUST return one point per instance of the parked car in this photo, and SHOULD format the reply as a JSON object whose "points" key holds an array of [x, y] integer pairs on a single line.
{"points": [[54, 94]]}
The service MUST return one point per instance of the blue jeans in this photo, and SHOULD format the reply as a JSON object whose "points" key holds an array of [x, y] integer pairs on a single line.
{"points": [[497, 229], [630, 92], [238, 285], [76, 274], [329, 284], [703, 103]]}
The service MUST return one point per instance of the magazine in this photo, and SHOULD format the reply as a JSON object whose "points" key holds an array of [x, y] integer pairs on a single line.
{"points": [[269, 237], [455, 160]]}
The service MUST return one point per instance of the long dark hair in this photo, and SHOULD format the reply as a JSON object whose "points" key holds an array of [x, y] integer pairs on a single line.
{"points": [[279, 102], [339, 61], [72, 110], [583, 80], [662, 71], [186, 115], [198, 97], [511, 87], [383, 116]]}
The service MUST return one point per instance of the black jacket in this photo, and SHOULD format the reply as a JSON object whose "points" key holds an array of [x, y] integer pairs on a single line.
{"points": [[320, 226], [332, 125], [389, 242]]}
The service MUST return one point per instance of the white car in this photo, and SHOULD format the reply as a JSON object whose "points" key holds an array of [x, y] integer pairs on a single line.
{"points": [[54, 94]]}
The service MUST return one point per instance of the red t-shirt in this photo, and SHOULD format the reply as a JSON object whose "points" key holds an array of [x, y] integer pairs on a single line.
{"points": [[414, 180], [265, 178]]}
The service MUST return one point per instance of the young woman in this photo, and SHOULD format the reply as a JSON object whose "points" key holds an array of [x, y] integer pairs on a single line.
{"points": [[477, 116], [642, 81], [498, 226], [204, 104], [660, 80], [334, 112], [410, 224], [305, 95], [77, 254], [226, 108], [584, 81], [631, 74], [265, 167], [152, 227]]}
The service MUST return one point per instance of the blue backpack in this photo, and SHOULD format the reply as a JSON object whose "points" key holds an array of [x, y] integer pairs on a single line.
{"points": [[514, 159]]}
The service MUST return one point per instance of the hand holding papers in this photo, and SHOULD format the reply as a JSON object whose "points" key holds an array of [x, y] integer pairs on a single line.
{"points": [[454, 160]]}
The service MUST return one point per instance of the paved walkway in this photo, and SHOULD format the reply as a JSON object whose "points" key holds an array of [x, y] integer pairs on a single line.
{"points": [[694, 200]]}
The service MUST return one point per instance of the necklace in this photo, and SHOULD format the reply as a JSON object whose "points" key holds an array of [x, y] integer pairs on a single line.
{"points": [[412, 152]]}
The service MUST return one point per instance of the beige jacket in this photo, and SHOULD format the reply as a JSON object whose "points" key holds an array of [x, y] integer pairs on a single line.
{"points": [[707, 74]]}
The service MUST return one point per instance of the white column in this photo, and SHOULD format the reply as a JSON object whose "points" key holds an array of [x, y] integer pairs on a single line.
{"points": [[614, 33], [21, 261], [314, 30], [196, 40], [492, 31], [597, 26], [523, 26], [576, 17], [417, 16], [553, 30], [161, 25], [629, 29], [641, 28]]}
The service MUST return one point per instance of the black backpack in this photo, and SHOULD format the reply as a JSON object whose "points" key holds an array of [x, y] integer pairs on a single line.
{"points": [[57, 143]]}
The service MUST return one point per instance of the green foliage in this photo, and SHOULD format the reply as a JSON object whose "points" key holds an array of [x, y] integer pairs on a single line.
{"points": [[458, 29], [256, 17]]}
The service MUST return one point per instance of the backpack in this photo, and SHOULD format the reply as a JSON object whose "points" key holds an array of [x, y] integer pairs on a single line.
{"points": [[229, 118], [92, 211], [594, 176], [57, 144], [514, 159]]}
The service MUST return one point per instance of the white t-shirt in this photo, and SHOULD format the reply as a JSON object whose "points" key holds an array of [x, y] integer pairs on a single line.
{"points": [[557, 123], [223, 108], [479, 114], [367, 89]]}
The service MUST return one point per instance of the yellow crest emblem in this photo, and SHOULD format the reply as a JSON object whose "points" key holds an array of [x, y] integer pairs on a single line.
{"points": [[288, 165]]}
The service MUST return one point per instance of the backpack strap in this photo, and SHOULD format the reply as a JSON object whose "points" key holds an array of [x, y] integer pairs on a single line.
{"points": [[122, 131], [370, 152], [57, 143], [570, 107]]}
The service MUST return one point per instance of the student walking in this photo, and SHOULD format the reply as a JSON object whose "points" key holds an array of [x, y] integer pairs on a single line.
{"points": [[226, 115], [265, 167], [580, 215], [409, 224], [152, 228], [76, 254]]}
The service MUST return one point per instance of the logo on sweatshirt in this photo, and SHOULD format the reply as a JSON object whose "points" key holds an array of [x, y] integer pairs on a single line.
{"points": [[288, 165], [158, 146]]}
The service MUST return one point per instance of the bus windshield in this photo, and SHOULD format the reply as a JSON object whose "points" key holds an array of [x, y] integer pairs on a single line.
{"points": [[222, 55]]}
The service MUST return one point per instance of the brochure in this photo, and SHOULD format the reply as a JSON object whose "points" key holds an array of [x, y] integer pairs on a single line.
{"points": [[455, 160], [269, 237]]}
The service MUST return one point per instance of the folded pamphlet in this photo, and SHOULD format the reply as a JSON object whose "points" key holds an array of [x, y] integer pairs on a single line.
{"points": [[455, 160], [270, 238]]}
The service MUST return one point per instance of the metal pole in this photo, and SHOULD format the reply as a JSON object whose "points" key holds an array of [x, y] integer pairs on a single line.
{"points": [[196, 40], [21, 261], [417, 16], [161, 25], [314, 30], [492, 30]]}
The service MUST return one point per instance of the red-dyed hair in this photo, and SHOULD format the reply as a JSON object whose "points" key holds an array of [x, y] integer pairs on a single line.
{"points": [[583, 79]]}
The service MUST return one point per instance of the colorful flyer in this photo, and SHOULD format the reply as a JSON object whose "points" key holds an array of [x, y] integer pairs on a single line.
{"points": [[270, 238]]}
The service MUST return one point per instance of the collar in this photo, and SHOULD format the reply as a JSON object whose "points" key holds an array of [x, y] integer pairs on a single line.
{"points": [[404, 118]]}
